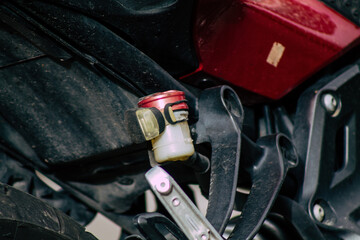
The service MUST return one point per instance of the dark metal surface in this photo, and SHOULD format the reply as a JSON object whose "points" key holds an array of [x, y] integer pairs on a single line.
{"points": [[267, 161], [275, 227], [298, 217], [327, 142], [220, 123]]}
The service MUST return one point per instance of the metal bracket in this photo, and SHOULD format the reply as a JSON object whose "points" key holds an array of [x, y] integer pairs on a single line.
{"points": [[267, 162], [180, 207], [299, 218], [220, 121], [328, 143]]}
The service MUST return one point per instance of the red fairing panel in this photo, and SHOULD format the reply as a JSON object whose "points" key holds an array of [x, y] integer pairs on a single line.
{"points": [[269, 46]]}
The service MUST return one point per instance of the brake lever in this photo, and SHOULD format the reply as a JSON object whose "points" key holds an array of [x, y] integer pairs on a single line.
{"points": [[184, 212]]}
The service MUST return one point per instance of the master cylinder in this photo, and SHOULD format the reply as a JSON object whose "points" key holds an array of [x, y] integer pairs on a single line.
{"points": [[174, 143]]}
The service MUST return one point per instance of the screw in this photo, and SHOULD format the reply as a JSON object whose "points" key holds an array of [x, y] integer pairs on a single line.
{"points": [[176, 202], [330, 102], [204, 237], [318, 212], [164, 186]]}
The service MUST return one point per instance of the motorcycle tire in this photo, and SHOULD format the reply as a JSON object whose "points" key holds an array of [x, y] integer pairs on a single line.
{"points": [[22, 216]]}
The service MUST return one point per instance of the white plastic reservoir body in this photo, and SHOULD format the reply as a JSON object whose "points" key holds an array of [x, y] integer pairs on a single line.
{"points": [[175, 143]]}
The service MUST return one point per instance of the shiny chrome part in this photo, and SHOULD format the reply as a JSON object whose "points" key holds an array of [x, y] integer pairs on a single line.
{"points": [[330, 102], [319, 213]]}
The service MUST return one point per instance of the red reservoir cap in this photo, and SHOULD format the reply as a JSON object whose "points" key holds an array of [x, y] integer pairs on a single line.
{"points": [[160, 99]]}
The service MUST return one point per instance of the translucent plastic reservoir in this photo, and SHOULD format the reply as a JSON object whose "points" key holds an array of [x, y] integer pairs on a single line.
{"points": [[175, 143]]}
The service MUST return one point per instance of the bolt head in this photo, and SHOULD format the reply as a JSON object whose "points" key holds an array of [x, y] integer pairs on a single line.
{"points": [[319, 213], [164, 186], [176, 202], [330, 102], [204, 237]]}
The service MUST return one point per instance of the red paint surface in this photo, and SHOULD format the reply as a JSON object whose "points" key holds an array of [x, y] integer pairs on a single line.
{"points": [[234, 38], [160, 99]]}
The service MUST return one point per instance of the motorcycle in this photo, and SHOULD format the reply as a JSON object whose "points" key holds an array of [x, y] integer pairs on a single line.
{"points": [[253, 101]]}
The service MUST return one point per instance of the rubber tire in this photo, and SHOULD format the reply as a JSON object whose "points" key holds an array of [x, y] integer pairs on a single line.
{"points": [[23, 216]]}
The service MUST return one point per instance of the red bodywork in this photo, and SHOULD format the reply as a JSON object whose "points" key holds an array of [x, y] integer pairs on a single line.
{"points": [[269, 46]]}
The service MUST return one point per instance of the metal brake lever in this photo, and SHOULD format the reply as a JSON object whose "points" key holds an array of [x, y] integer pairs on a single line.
{"points": [[184, 212]]}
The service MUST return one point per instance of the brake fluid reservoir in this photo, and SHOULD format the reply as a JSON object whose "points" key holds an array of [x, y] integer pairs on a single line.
{"points": [[175, 142]]}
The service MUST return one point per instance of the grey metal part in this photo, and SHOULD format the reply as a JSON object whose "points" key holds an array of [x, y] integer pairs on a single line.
{"points": [[180, 207]]}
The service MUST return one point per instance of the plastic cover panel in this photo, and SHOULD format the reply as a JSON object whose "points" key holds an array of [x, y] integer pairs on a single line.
{"points": [[65, 111]]}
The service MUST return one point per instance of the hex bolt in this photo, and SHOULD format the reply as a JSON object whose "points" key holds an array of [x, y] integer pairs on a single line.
{"points": [[164, 186], [319, 213], [330, 102]]}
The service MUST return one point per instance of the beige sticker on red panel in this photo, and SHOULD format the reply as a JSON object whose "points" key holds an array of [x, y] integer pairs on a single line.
{"points": [[275, 54]]}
